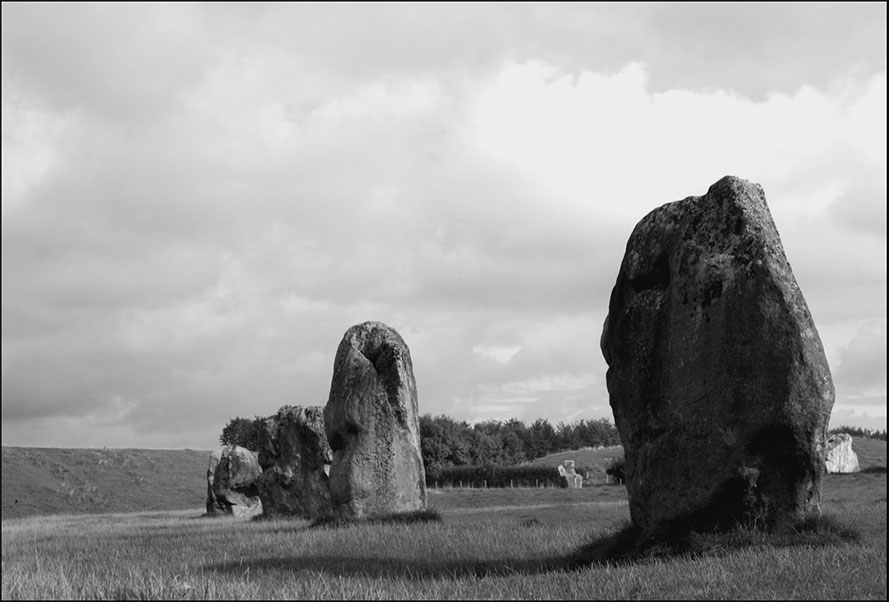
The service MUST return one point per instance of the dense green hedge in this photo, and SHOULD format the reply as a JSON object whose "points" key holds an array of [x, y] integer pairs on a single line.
{"points": [[495, 476]]}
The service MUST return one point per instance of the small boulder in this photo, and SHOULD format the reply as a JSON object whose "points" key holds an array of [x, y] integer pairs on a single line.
{"points": [[840, 457], [234, 482], [373, 427]]}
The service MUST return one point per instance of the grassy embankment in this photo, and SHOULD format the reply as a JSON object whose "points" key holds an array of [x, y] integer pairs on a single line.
{"points": [[44, 480], [507, 543]]}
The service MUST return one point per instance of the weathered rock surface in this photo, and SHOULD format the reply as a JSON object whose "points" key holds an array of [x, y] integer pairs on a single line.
{"points": [[568, 477], [215, 455], [372, 425], [295, 458], [234, 482], [717, 377], [840, 457]]}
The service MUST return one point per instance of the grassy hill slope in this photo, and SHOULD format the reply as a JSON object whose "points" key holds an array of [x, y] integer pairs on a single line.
{"points": [[39, 480], [587, 459], [871, 452]]}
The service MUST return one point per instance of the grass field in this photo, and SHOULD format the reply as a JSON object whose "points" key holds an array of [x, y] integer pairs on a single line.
{"points": [[489, 544]]}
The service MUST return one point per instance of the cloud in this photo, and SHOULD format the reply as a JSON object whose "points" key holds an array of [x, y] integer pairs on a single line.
{"points": [[861, 208], [30, 138], [862, 367], [191, 222], [871, 416], [498, 355], [127, 63]]}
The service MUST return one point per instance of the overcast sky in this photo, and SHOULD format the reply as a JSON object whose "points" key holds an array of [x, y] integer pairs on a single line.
{"points": [[199, 200]]}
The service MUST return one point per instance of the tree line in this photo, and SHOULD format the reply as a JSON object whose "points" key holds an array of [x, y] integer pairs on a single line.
{"points": [[445, 442], [863, 433]]}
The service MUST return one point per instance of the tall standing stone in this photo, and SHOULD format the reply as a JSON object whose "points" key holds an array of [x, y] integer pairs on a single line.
{"points": [[373, 427], [295, 458], [717, 377]]}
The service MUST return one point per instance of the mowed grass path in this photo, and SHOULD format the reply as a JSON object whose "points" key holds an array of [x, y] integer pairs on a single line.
{"points": [[490, 544]]}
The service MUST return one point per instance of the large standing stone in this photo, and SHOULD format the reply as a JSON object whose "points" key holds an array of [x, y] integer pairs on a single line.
{"points": [[717, 378], [295, 458], [840, 457], [373, 426], [234, 482]]}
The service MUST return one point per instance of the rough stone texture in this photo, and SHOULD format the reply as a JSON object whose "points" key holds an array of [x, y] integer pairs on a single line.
{"points": [[234, 482], [295, 458], [211, 471], [267, 442], [373, 427], [717, 377], [840, 456]]}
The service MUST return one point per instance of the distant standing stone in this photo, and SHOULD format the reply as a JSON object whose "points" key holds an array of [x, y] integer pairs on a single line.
{"points": [[840, 457], [234, 482], [568, 477], [295, 458], [372, 425], [215, 455], [716, 374]]}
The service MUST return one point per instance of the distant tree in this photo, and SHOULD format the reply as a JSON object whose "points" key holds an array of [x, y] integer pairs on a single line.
{"points": [[601, 432], [444, 442], [485, 449], [566, 435], [616, 470], [858, 431], [487, 443], [540, 439], [513, 435], [586, 433], [243, 432]]}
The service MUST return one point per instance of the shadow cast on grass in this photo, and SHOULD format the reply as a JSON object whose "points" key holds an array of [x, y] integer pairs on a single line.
{"points": [[874, 470], [399, 568], [294, 524], [379, 565], [428, 515], [630, 544]]}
